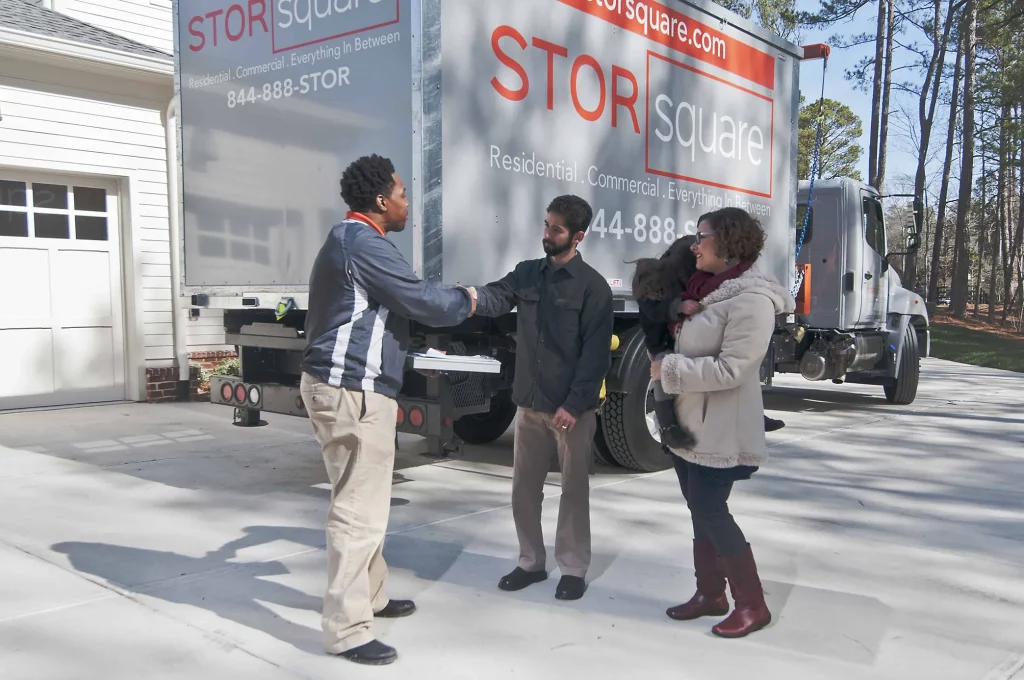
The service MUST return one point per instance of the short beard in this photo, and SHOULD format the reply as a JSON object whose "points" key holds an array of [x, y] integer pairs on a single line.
{"points": [[554, 250]]}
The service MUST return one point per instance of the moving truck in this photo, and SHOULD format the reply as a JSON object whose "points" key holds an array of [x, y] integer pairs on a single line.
{"points": [[655, 111]]}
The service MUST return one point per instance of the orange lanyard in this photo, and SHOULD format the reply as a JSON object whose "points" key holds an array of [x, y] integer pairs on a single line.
{"points": [[352, 215]]}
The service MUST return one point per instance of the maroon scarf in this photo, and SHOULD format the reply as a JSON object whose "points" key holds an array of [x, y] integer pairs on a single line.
{"points": [[702, 284]]}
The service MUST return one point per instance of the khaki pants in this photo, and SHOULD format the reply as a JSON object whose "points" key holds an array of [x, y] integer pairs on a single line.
{"points": [[537, 440], [356, 431]]}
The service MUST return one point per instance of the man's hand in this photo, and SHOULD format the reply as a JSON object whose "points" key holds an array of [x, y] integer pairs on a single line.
{"points": [[472, 296], [564, 421], [656, 370]]}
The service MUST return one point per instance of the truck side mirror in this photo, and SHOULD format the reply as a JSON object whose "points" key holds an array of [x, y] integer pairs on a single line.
{"points": [[918, 215], [913, 242]]}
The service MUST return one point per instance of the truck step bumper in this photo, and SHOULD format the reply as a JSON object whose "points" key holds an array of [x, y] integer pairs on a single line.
{"points": [[423, 417]]}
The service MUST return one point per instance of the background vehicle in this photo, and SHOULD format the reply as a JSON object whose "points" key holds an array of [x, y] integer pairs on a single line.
{"points": [[654, 112]]}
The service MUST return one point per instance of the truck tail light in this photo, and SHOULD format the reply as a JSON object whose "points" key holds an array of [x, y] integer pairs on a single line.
{"points": [[803, 295], [400, 417], [416, 417], [226, 391], [240, 393]]}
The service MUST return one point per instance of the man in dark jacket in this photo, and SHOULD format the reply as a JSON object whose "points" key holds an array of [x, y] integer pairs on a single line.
{"points": [[362, 294], [563, 351]]}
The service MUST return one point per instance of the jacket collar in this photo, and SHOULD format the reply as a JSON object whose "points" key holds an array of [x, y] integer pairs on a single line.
{"points": [[753, 281], [353, 216]]}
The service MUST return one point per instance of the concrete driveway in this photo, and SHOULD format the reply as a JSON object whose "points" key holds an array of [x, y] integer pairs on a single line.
{"points": [[141, 541]]}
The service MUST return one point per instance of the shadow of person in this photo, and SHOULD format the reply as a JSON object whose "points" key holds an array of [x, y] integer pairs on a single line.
{"points": [[237, 591]]}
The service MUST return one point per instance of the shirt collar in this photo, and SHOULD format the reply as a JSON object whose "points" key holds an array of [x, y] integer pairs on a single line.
{"points": [[572, 267]]}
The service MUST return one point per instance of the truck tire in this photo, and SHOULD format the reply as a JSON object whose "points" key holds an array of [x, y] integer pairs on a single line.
{"points": [[908, 373], [627, 419], [484, 428], [602, 456]]}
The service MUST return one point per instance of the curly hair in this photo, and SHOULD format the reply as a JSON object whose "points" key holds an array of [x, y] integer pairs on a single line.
{"points": [[664, 277], [576, 212], [366, 179], [738, 234]]}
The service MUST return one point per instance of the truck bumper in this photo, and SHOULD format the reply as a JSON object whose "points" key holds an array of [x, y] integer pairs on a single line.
{"points": [[419, 416]]}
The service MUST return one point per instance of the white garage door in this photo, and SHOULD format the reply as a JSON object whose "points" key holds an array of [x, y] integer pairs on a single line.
{"points": [[61, 322]]}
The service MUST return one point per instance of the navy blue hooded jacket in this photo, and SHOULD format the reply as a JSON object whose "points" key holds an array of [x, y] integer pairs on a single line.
{"points": [[362, 294]]}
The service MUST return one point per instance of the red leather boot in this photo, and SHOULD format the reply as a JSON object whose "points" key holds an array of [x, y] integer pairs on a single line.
{"points": [[751, 612], [709, 600]]}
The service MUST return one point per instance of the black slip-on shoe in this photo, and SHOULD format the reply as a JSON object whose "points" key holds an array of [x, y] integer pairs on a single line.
{"points": [[373, 653], [571, 588], [519, 578], [396, 609]]}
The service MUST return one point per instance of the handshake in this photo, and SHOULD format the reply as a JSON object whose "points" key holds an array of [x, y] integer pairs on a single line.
{"points": [[472, 296]]}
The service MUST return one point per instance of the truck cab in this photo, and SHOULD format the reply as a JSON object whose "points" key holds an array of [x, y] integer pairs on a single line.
{"points": [[856, 322]]}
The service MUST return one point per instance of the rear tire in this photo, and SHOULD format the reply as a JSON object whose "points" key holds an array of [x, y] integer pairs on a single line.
{"points": [[484, 428], [908, 373], [625, 417], [602, 456]]}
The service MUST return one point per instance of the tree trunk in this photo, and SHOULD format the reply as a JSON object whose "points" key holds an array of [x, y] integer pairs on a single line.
{"points": [[940, 220], [876, 96], [963, 263], [1013, 238], [998, 235], [1018, 238], [981, 232], [883, 134], [926, 116]]}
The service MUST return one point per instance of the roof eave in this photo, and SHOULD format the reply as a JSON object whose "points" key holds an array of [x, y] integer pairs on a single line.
{"points": [[62, 49]]}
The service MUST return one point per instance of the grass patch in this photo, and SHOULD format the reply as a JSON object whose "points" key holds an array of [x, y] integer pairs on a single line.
{"points": [[977, 346]]}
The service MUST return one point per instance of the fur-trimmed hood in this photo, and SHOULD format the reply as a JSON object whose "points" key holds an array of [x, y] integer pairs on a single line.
{"points": [[753, 281]]}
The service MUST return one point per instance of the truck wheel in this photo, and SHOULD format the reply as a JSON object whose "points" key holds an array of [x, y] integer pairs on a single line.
{"points": [[484, 428], [601, 453], [627, 420], [908, 373]]}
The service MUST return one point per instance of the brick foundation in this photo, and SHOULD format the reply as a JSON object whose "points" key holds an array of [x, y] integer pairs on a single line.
{"points": [[210, 360], [162, 385]]}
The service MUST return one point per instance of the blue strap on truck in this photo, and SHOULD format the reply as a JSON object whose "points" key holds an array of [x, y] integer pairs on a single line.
{"points": [[812, 52]]}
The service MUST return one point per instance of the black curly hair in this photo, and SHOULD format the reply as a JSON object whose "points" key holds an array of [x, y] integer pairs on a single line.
{"points": [[576, 212], [663, 278], [366, 179]]}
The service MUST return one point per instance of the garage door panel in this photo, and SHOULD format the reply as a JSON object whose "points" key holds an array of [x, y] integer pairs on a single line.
{"points": [[28, 361], [82, 287], [85, 359], [25, 282], [61, 323]]}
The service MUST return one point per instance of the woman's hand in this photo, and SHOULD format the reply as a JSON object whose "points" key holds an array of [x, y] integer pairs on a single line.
{"points": [[690, 307], [656, 370]]}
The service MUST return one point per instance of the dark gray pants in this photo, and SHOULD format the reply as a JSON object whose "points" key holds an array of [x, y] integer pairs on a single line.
{"points": [[537, 442]]}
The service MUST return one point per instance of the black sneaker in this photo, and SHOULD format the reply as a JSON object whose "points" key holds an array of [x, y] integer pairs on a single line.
{"points": [[571, 588], [520, 578], [373, 653], [772, 425]]}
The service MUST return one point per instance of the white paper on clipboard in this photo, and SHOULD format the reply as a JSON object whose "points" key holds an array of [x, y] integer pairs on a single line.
{"points": [[433, 360]]}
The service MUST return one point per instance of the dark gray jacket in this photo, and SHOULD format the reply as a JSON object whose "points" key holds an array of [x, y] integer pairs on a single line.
{"points": [[565, 320], [362, 294]]}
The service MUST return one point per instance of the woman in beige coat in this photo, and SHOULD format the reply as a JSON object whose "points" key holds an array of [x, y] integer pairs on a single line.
{"points": [[731, 309]]}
